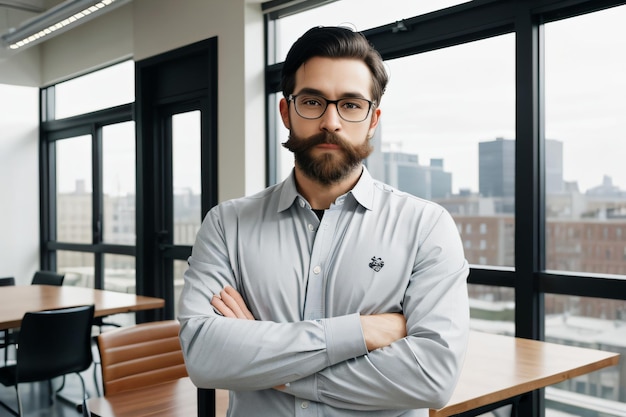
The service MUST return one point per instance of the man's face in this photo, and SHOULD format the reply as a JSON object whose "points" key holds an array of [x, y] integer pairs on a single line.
{"points": [[329, 148]]}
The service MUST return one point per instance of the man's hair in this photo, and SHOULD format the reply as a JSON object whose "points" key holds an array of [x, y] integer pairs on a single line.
{"points": [[334, 42]]}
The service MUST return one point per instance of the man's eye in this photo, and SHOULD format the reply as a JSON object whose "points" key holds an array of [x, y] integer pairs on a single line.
{"points": [[311, 102], [351, 105]]}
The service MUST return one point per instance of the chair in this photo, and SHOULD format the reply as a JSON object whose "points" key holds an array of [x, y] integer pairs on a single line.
{"points": [[4, 335], [39, 278], [51, 344], [140, 355], [47, 278]]}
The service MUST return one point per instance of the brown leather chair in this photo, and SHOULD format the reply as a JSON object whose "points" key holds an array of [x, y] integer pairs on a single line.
{"points": [[140, 355]]}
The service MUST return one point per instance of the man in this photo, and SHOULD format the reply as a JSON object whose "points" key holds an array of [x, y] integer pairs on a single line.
{"points": [[330, 294]]}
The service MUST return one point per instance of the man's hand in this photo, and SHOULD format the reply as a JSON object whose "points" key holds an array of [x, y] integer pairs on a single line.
{"points": [[381, 330], [230, 304]]}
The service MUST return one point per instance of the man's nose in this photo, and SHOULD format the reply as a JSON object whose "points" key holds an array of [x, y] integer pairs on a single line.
{"points": [[331, 121]]}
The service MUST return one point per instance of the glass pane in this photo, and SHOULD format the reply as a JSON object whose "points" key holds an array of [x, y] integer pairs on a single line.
{"points": [[74, 190], [78, 268], [357, 14], [118, 182], [585, 107], [179, 270], [492, 309], [447, 134], [596, 324], [109, 87], [119, 273], [186, 176]]}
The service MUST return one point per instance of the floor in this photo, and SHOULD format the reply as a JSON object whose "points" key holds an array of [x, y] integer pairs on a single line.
{"points": [[36, 396]]}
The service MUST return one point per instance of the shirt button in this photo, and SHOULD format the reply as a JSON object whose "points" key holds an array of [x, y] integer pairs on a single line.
{"points": [[317, 269], [305, 404], [301, 203], [311, 228]]}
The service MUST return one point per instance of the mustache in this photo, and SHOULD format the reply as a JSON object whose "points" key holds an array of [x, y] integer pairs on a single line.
{"points": [[295, 145]]}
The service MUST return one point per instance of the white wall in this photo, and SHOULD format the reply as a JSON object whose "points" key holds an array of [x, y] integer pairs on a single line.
{"points": [[138, 30], [19, 182]]}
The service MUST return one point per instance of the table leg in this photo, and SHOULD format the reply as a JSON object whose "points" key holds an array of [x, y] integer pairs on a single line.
{"points": [[206, 402]]}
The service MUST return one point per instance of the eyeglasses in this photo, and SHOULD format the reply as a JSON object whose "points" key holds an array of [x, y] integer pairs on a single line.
{"points": [[311, 106]]}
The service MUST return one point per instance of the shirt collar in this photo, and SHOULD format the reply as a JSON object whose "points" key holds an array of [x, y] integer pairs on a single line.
{"points": [[363, 191]]}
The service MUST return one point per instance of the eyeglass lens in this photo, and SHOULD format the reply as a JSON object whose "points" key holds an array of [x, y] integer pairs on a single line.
{"points": [[313, 107]]}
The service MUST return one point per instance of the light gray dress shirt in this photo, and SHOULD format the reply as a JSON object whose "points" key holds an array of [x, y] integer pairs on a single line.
{"points": [[306, 282]]}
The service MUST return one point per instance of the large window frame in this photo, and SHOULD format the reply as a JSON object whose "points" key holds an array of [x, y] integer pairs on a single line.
{"points": [[194, 71], [52, 130], [476, 20]]}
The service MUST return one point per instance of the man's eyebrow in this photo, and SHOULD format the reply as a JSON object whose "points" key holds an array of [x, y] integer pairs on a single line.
{"points": [[317, 92]]}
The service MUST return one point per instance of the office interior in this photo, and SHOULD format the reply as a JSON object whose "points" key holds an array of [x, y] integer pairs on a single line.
{"points": [[218, 61]]}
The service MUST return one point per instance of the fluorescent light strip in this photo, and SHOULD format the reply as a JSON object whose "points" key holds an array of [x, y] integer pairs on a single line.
{"points": [[52, 28]]}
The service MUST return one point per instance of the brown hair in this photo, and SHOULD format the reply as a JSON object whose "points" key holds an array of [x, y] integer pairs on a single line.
{"points": [[334, 42]]}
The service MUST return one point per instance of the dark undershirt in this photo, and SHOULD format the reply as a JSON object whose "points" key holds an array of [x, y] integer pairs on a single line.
{"points": [[318, 213]]}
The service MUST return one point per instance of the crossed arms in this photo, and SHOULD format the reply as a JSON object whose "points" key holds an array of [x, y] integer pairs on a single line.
{"points": [[379, 330]]}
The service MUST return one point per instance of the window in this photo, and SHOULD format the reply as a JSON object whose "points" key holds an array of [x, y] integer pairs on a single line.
{"points": [[523, 123], [585, 176], [74, 190], [92, 237], [98, 90], [118, 183]]}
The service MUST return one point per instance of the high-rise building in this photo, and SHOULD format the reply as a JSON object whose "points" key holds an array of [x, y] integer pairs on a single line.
{"points": [[496, 168], [403, 171]]}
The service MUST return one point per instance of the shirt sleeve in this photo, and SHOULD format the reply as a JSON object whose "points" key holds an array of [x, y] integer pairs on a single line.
{"points": [[421, 370], [228, 353]]}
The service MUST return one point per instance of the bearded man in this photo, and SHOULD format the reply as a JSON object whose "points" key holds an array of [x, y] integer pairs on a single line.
{"points": [[330, 294]]}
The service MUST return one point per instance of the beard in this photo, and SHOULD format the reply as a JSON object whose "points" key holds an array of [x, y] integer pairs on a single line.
{"points": [[329, 167]]}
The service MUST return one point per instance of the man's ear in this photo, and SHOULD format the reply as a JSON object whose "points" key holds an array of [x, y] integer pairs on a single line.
{"points": [[284, 112], [373, 122]]}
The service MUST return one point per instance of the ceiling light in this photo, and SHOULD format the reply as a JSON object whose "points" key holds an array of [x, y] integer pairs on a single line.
{"points": [[57, 20]]}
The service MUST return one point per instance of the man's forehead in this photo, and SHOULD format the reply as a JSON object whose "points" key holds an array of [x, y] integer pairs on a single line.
{"points": [[338, 76]]}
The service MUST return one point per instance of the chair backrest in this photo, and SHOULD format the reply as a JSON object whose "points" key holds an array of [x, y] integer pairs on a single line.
{"points": [[7, 281], [140, 355], [47, 278], [53, 343]]}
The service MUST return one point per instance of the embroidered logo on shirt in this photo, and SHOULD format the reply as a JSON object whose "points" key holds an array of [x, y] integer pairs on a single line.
{"points": [[377, 264]]}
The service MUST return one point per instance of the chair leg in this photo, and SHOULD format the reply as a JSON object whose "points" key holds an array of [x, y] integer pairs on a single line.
{"points": [[20, 410], [95, 377], [62, 384]]}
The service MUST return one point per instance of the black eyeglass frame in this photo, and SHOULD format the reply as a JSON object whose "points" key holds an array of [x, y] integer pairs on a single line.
{"points": [[371, 104]]}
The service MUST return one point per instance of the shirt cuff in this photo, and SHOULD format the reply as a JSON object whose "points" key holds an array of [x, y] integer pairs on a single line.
{"points": [[344, 338]]}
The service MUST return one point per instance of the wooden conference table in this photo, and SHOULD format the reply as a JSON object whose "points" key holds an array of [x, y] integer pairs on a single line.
{"points": [[17, 300], [497, 368]]}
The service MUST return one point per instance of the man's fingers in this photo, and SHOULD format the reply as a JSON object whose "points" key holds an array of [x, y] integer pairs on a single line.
{"points": [[240, 302], [217, 302], [231, 303]]}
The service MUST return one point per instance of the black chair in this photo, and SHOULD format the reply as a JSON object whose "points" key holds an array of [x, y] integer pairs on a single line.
{"points": [[39, 278], [51, 344], [4, 335], [47, 278]]}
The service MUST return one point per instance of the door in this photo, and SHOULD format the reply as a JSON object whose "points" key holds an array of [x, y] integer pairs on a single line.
{"points": [[177, 165]]}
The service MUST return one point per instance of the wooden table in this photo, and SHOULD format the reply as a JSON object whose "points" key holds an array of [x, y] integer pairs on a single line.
{"points": [[503, 367], [497, 368], [170, 399], [174, 399], [17, 300]]}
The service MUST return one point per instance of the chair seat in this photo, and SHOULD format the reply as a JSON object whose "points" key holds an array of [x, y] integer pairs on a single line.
{"points": [[7, 375]]}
